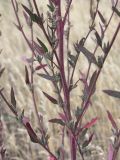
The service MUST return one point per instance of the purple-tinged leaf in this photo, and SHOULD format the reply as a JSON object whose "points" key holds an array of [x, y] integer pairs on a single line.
{"points": [[41, 66], [114, 125], [116, 11], [13, 109], [92, 84], [78, 44], [100, 61], [13, 100], [27, 60], [106, 48], [28, 21], [63, 117], [1, 71], [112, 93], [53, 100], [31, 133], [91, 123], [58, 121], [51, 157], [27, 76], [90, 57], [87, 142], [99, 40], [38, 49], [101, 17], [110, 152], [83, 78]]}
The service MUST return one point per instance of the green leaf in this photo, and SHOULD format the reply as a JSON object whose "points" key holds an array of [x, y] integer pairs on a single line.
{"points": [[33, 16], [47, 77], [78, 112], [72, 59], [58, 121], [42, 45], [51, 7], [92, 82], [53, 100], [90, 57], [55, 78], [112, 93], [13, 100]]}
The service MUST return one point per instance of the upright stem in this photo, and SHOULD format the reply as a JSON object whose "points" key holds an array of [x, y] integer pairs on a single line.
{"points": [[60, 35]]}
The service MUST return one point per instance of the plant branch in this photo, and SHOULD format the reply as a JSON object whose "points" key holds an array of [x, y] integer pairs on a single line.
{"points": [[67, 12]]}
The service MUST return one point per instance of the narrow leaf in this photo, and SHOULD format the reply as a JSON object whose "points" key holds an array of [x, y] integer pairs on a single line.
{"points": [[106, 48], [31, 133], [91, 123], [27, 76], [58, 121], [1, 71], [92, 84], [27, 10], [101, 17], [90, 57], [63, 117], [51, 7], [42, 45], [13, 109], [116, 11], [28, 21], [41, 66], [71, 63], [112, 121], [112, 93], [53, 100], [13, 100], [102, 31], [1, 51], [72, 57], [33, 16], [99, 40], [87, 142], [47, 77], [38, 48]]}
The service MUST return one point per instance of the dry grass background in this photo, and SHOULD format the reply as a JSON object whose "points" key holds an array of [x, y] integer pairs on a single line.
{"points": [[14, 47]]}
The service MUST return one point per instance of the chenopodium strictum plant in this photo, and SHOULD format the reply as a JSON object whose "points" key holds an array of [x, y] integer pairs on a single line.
{"points": [[52, 64]]}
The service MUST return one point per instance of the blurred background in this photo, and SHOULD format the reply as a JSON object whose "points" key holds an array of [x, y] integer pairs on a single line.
{"points": [[14, 49]]}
